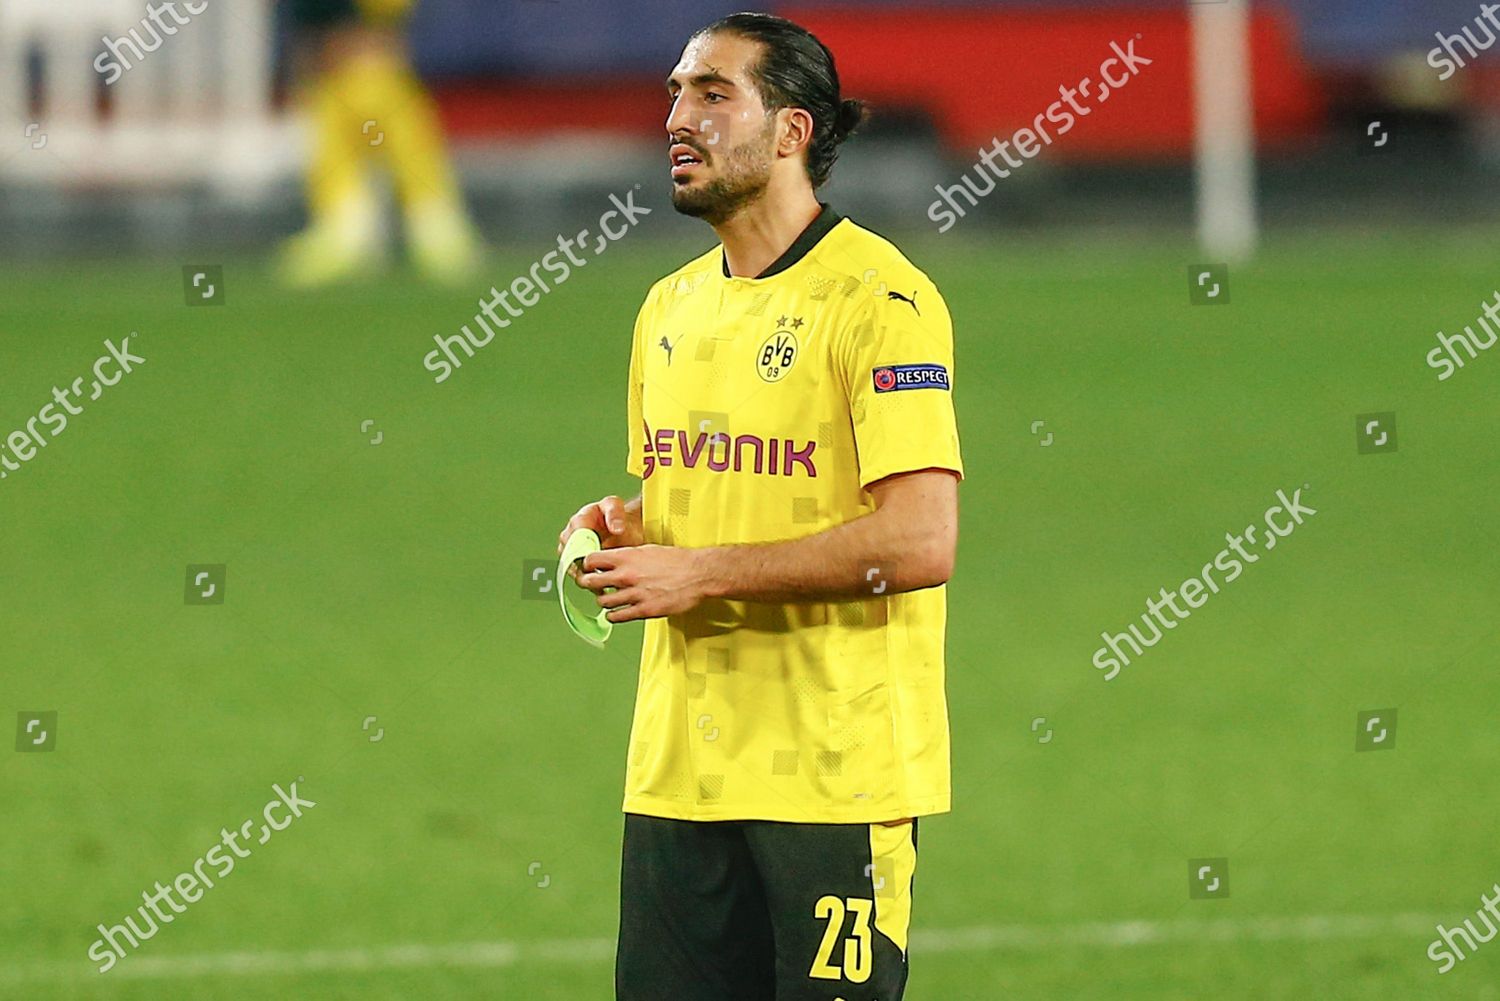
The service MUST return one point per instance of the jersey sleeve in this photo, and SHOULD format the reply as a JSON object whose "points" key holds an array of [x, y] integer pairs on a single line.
{"points": [[896, 360], [635, 432]]}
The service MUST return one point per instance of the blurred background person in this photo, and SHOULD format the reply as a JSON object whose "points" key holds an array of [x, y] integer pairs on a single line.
{"points": [[366, 109]]}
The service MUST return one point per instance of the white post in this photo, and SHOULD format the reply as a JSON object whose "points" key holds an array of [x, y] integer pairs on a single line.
{"points": [[1225, 132], [247, 61], [12, 80]]}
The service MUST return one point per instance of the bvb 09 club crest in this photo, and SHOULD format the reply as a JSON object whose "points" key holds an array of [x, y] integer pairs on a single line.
{"points": [[778, 353]]}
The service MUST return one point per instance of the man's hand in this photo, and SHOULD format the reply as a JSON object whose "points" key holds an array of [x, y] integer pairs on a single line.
{"points": [[617, 522], [653, 581]]}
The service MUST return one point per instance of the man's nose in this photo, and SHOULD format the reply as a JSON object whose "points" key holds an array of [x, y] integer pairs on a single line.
{"points": [[680, 120]]}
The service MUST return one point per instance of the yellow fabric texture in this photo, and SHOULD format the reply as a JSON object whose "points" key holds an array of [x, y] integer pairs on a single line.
{"points": [[895, 862]]}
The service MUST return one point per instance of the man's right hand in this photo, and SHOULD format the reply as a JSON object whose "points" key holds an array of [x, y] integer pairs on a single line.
{"points": [[617, 522]]}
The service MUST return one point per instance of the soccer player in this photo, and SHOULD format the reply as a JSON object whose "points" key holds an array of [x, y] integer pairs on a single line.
{"points": [[791, 418], [366, 106]]}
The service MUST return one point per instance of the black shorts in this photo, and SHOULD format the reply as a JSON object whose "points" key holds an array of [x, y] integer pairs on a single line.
{"points": [[756, 910], [322, 13], [335, 13]]}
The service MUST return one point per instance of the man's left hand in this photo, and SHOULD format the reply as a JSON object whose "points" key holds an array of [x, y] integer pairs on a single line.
{"points": [[652, 581]]}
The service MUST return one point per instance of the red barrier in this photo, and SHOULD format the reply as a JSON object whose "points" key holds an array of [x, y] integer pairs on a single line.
{"points": [[982, 74], [633, 107], [979, 74]]}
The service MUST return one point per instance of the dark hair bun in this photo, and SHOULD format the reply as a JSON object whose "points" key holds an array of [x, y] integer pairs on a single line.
{"points": [[850, 116]]}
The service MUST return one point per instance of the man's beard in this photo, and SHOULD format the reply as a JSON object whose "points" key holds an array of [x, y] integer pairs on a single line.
{"points": [[746, 175]]}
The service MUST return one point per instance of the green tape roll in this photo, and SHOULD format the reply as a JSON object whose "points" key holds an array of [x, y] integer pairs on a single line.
{"points": [[592, 629]]}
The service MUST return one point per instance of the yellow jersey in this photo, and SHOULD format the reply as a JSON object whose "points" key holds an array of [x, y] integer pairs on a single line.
{"points": [[760, 409]]}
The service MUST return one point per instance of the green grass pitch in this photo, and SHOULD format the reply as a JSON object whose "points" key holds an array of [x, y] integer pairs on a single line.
{"points": [[385, 580]]}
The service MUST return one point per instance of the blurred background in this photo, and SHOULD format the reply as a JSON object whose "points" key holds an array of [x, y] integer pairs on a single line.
{"points": [[279, 549], [547, 102]]}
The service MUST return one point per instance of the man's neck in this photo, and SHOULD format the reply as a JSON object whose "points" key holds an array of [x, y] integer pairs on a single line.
{"points": [[761, 232]]}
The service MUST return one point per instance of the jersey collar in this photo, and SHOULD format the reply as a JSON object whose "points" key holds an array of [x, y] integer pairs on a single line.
{"points": [[826, 219]]}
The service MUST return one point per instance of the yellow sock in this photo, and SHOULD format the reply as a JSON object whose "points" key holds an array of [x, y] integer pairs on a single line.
{"points": [[336, 172], [410, 141], [371, 111]]}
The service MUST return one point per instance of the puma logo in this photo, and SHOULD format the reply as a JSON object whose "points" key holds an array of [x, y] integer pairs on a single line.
{"points": [[669, 346], [912, 300]]}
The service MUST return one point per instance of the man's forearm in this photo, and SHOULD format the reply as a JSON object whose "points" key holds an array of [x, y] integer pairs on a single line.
{"points": [[908, 542], [878, 553]]}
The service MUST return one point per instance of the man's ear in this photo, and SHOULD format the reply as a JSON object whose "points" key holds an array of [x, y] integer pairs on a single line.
{"points": [[794, 131]]}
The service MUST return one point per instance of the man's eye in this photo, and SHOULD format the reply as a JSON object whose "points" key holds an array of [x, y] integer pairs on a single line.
{"points": [[713, 98]]}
